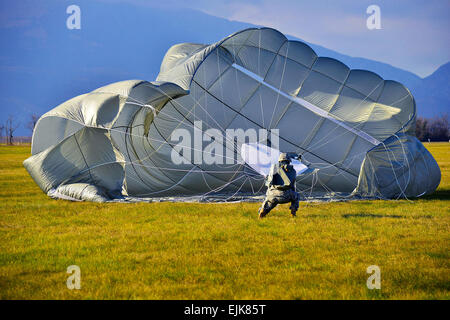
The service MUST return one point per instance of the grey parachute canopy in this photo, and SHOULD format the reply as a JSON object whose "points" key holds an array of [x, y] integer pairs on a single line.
{"points": [[117, 142]]}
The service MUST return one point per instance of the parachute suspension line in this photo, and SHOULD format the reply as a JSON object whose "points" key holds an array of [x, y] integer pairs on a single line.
{"points": [[207, 112], [204, 179], [281, 81], [334, 137], [358, 125], [172, 169], [223, 130], [220, 188], [392, 167], [152, 167], [239, 91], [321, 112], [280, 137], [195, 101], [138, 103], [428, 173], [209, 115], [167, 189], [236, 75], [146, 106], [166, 142], [251, 184], [327, 165], [307, 194], [231, 180], [393, 171], [409, 166], [246, 178], [354, 108], [315, 175], [153, 139], [259, 66], [220, 80], [324, 165], [313, 184], [402, 190], [329, 133], [206, 103], [309, 106], [259, 72]]}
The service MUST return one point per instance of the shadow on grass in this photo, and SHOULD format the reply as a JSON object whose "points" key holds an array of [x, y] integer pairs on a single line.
{"points": [[371, 215], [314, 215], [437, 195]]}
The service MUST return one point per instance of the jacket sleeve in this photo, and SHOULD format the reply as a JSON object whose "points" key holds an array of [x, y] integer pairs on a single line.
{"points": [[269, 177], [292, 155]]}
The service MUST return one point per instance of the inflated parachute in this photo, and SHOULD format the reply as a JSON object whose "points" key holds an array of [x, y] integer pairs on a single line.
{"points": [[117, 142]]}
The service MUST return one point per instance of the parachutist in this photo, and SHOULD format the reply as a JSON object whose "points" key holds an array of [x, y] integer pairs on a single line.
{"points": [[281, 185]]}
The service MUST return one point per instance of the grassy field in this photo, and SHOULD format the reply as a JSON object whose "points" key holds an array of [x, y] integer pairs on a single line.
{"points": [[220, 251]]}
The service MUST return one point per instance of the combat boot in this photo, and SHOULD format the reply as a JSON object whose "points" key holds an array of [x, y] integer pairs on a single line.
{"points": [[293, 213], [262, 213]]}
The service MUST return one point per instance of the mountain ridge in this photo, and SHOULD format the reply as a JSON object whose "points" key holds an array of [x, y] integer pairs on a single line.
{"points": [[46, 64], [432, 94]]}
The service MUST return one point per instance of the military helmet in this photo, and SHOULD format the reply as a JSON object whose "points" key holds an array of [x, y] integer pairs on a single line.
{"points": [[283, 157]]}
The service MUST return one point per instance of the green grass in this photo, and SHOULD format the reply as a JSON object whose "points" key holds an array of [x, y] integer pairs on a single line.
{"points": [[220, 251]]}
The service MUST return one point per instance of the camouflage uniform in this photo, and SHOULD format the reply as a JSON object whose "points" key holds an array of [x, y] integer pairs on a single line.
{"points": [[281, 186]]}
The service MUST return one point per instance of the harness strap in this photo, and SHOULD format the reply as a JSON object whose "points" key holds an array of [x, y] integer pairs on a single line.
{"points": [[286, 180]]}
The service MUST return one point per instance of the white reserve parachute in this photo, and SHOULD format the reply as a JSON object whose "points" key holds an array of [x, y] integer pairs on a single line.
{"points": [[355, 129], [260, 158]]}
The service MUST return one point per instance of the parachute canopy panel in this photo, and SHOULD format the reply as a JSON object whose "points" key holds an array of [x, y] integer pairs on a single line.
{"points": [[183, 134]]}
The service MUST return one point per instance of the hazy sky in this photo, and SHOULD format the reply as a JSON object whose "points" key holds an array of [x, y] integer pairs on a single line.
{"points": [[414, 34]]}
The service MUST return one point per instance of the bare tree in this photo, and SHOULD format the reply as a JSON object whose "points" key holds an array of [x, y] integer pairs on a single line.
{"points": [[32, 123], [10, 127], [435, 129], [439, 131], [2, 127], [422, 129]]}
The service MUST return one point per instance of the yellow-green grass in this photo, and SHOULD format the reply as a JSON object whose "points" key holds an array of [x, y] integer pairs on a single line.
{"points": [[220, 251]]}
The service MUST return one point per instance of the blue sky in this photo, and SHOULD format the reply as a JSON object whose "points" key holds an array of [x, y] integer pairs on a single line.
{"points": [[414, 34], [54, 64]]}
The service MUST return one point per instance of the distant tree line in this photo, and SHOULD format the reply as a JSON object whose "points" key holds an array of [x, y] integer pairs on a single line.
{"points": [[8, 128], [434, 129]]}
